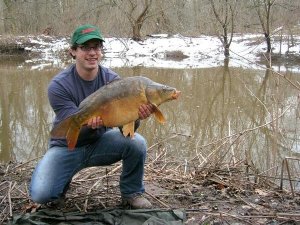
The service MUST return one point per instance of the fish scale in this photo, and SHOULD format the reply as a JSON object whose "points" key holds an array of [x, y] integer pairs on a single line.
{"points": [[117, 104]]}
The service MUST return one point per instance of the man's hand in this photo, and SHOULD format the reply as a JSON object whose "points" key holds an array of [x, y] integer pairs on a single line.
{"points": [[145, 111], [95, 122]]}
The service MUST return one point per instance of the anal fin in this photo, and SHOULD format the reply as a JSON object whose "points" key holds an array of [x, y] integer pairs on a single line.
{"points": [[72, 136], [128, 129]]}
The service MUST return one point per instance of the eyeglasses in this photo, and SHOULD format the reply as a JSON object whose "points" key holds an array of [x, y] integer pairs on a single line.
{"points": [[86, 48]]}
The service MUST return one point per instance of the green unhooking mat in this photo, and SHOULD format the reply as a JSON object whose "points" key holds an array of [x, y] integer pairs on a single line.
{"points": [[103, 217]]}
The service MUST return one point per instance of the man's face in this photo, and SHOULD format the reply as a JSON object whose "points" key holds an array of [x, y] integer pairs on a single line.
{"points": [[88, 55]]}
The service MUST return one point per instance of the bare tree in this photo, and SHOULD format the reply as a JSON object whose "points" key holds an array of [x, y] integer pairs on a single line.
{"points": [[225, 14], [263, 9], [120, 17], [136, 12], [8, 20]]}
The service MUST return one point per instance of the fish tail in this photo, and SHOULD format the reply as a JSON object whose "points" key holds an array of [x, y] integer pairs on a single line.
{"points": [[68, 129], [61, 129]]}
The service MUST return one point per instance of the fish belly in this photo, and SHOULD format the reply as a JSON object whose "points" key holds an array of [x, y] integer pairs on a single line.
{"points": [[121, 111]]}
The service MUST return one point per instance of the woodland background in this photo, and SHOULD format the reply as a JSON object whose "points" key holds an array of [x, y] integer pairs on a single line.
{"points": [[138, 18]]}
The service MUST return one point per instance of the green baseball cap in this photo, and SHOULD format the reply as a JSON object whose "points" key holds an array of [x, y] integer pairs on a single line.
{"points": [[85, 33]]}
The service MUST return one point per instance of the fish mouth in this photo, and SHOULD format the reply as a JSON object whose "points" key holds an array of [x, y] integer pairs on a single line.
{"points": [[176, 94]]}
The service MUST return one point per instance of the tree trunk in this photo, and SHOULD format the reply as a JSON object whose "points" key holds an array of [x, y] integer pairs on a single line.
{"points": [[268, 41], [225, 16], [136, 32]]}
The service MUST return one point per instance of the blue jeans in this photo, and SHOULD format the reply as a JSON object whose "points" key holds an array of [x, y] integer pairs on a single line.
{"points": [[54, 172]]}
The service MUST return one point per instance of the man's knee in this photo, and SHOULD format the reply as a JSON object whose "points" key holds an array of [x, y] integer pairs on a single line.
{"points": [[139, 144], [40, 195]]}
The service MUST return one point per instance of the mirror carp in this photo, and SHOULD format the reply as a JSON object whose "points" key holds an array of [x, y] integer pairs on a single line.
{"points": [[117, 104]]}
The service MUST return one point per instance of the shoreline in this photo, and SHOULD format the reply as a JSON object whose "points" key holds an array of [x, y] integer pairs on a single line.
{"points": [[246, 51]]}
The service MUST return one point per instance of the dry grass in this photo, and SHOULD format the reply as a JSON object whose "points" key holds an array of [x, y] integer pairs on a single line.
{"points": [[215, 192]]}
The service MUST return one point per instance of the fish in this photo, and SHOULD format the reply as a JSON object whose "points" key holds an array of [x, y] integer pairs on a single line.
{"points": [[117, 104]]}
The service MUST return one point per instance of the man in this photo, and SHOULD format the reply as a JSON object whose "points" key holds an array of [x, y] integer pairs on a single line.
{"points": [[97, 145]]}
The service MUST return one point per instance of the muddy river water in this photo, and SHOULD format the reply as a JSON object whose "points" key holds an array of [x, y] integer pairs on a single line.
{"points": [[230, 115]]}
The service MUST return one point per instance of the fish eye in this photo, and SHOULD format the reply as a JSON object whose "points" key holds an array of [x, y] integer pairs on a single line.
{"points": [[166, 88]]}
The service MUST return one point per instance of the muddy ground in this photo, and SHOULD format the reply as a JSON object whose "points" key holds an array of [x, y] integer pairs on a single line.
{"points": [[209, 195]]}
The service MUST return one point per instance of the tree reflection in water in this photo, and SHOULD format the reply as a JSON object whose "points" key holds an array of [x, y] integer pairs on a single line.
{"points": [[210, 119]]}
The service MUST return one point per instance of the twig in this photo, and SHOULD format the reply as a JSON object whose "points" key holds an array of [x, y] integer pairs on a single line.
{"points": [[285, 161], [231, 148], [76, 205], [247, 130], [161, 202], [96, 184], [270, 69], [9, 200], [4, 215], [164, 140], [24, 164], [153, 161], [181, 134], [253, 206], [262, 215]]}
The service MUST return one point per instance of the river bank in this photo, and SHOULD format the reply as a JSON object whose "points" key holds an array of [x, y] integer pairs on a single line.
{"points": [[223, 194], [162, 50]]}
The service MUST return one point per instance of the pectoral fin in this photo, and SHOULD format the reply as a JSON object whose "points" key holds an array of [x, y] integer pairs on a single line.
{"points": [[128, 129], [158, 115]]}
